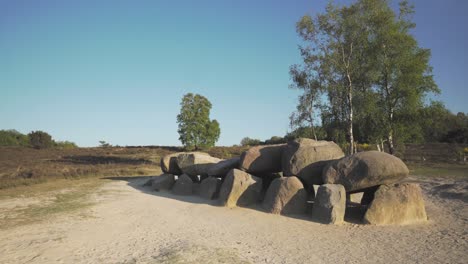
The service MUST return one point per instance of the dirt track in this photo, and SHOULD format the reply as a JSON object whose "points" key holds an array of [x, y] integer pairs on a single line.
{"points": [[130, 224]]}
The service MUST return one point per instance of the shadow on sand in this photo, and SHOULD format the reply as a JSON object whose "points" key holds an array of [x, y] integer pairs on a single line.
{"points": [[354, 211]]}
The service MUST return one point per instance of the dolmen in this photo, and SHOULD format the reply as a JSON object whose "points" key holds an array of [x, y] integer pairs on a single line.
{"points": [[302, 177]]}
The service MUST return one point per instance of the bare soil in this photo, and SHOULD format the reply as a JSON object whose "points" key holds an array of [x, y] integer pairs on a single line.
{"points": [[127, 223]]}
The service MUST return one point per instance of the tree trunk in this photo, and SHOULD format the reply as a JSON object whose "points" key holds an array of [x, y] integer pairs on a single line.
{"points": [[391, 148], [350, 117], [313, 132]]}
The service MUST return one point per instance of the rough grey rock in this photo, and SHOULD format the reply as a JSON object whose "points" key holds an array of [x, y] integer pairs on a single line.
{"points": [[163, 182], [240, 189], [286, 196], [306, 158], [330, 204], [209, 188], [262, 159], [222, 168], [169, 164], [183, 185], [365, 169], [196, 163], [397, 204], [268, 178]]}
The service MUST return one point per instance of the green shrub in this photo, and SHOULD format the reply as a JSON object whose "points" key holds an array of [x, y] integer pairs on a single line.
{"points": [[250, 142], [13, 138], [40, 139], [65, 145]]}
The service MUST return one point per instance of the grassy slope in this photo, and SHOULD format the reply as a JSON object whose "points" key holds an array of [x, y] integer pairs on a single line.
{"points": [[446, 170]]}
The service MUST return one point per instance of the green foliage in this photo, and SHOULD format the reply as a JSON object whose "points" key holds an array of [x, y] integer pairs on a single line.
{"points": [[40, 140], [36, 139], [65, 145], [275, 140], [250, 142], [196, 130], [104, 144], [363, 59], [13, 138], [306, 132]]}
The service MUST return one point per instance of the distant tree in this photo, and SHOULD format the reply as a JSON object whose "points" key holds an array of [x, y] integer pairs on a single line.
{"points": [[309, 104], [306, 132], [104, 144], [336, 45], [196, 130], [13, 138], [275, 140], [403, 72], [65, 145], [364, 60], [40, 139], [250, 142]]}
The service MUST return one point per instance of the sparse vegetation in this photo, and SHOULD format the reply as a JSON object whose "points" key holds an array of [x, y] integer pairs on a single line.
{"points": [[444, 170], [104, 144], [26, 166], [51, 199]]}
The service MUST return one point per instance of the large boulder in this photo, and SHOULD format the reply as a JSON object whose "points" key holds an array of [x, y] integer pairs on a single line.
{"points": [[262, 159], [396, 204], [183, 185], [169, 164], [222, 168], [330, 204], [286, 196], [268, 178], [365, 169], [209, 188], [163, 182], [196, 163], [306, 158], [240, 189]]}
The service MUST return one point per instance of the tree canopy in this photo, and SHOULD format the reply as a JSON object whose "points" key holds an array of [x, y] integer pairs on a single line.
{"points": [[363, 59], [196, 130]]}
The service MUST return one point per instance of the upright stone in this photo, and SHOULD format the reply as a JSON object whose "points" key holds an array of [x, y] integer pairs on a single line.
{"points": [[397, 204], [163, 182], [268, 178], [183, 185], [365, 169], [262, 159], [209, 188], [240, 189], [306, 158], [286, 196], [196, 163], [222, 168], [330, 204], [169, 164]]}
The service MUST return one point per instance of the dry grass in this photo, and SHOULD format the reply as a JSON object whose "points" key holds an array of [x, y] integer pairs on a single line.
{"points": [[26, 166], [21, 166], [36, 185], [444, 170], [32, 204]]}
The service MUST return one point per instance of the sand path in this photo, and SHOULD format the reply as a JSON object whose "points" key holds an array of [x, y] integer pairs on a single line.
{"points": [[130, 224]]}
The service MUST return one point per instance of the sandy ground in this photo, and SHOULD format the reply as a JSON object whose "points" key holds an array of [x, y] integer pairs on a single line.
{"points": [[131, 224]]}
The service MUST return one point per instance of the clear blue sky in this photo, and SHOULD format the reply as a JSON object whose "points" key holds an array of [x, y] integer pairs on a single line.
{"points": [[112, 70]]}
